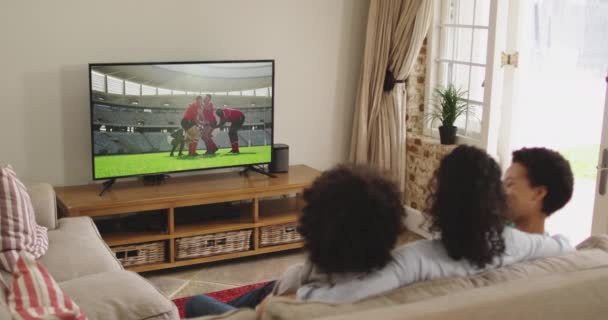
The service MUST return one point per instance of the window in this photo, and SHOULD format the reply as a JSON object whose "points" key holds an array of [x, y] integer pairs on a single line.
{"points": [[148, 90], [248, 93], [164, 92], [263, 92], [234, 93], [178, 92], [193, 93], [115, 85], [132, 88], [220, 93], [461, 39], [98, 81]]}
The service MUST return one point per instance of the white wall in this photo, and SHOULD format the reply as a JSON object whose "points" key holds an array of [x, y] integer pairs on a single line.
{"points": [[46, 46]]}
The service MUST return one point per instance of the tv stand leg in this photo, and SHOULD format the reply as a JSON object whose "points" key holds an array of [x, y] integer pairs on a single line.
{"points": [[258, 170], [106, 186]]}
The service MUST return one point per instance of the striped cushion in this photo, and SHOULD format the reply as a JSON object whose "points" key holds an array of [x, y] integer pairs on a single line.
{"points": [[35, 295], [18, 228]]}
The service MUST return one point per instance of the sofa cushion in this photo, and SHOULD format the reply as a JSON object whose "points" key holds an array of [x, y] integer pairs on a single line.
{"points": [[45, 204], [282, 308], [35, 295], [563, 296], [119, 295], [76, 249], [18, 228]]}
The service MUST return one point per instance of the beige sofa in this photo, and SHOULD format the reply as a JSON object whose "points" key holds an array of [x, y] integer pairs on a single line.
{"points": [[572, 286], [87, 270]]}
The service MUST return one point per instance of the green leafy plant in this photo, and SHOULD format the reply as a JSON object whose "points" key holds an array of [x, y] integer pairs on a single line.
{"points": [[449, 104]]}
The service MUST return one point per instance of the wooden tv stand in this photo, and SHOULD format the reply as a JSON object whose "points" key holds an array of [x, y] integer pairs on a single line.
{"points": [[263, 201]]}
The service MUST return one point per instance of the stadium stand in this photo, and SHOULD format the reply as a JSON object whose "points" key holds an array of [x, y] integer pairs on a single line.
{"points": [[129, 116], [222, 140], [158, 140], [105, 145], [115, 118], [133, 142]]}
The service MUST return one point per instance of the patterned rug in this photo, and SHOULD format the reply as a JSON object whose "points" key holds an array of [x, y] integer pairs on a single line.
{"points": [[223, 296]]}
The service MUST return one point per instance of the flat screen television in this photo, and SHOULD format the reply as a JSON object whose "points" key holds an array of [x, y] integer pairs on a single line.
{"points": [[166, 117]]}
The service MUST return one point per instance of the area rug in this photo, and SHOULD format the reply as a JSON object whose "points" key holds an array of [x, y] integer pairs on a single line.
{"points": [[223, 296]]}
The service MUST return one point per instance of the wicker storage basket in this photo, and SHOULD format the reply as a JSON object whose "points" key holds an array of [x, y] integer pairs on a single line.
{"points": [[213, 244], [138, 254], [278, 234]]}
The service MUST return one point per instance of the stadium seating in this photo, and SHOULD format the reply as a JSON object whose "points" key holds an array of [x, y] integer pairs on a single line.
{"points": [[103, 114], [159, 141], [222, 140], [107, 142]]}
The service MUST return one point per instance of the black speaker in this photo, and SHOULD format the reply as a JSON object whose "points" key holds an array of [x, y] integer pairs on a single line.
{"points": [[280, 158]]}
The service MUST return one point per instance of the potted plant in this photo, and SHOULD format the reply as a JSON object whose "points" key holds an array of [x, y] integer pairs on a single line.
{"points": [[448, 105]]}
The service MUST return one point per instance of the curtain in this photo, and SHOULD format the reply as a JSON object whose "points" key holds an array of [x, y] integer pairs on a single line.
{"points": [[395, 32]]}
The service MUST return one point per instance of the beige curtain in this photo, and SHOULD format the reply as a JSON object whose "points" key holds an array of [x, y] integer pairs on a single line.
{"points": [[395, 32]]}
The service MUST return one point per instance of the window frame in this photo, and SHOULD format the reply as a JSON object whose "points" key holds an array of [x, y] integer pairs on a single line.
{"points": [[126, 85], [111, 78], [103, 76], [436, 35]]}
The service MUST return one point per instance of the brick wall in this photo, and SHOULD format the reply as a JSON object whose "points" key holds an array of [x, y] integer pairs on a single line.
{"points": [[423, 156], [423, 153]]}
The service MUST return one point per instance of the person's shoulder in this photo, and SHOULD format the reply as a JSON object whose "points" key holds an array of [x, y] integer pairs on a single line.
{"points": [[512, 235], [515, 237]]}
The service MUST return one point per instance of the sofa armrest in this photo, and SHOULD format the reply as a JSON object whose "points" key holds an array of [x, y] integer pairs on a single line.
{"points": [[45, 204], [119, 295]]}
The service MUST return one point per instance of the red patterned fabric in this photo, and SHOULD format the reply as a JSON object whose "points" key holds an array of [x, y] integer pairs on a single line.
{"points": [[35, 295], [18, 228], [223, 296]]}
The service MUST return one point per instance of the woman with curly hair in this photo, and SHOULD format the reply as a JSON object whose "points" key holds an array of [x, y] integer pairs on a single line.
{"points": [[350, 223], [468, 206]]}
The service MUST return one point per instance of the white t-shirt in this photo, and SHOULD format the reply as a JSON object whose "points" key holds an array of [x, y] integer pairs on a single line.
{"points": [[427, 260]]}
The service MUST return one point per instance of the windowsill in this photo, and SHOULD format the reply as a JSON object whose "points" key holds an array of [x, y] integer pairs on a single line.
{"points": [[431, 136], [423, 138]]}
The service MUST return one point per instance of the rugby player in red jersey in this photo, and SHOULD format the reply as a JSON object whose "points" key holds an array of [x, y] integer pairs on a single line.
{"points": [[236, 119], [191, 122], [209, 123]]}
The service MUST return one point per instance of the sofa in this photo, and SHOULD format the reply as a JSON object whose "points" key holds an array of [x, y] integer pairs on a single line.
{"points": [[87, 270], [571, 286]]}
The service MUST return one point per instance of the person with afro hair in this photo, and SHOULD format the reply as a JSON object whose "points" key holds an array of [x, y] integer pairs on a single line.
{"points": [[467, 205], [350, 222], [538, 183]]}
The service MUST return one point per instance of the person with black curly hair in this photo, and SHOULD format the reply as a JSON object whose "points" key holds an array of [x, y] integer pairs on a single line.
{"points": [[467, 205], [350, 222], [538, 183]]}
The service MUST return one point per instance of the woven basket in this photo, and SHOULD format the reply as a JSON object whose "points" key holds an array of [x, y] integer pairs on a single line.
{"points": [[278, 234], [213, 244], [138, 254]]}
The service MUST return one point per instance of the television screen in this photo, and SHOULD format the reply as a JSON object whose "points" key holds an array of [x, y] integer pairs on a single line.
{"points": [[154, 118]]}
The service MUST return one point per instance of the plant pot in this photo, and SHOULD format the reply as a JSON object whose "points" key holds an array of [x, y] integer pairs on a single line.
{"points": [[447, 135]]}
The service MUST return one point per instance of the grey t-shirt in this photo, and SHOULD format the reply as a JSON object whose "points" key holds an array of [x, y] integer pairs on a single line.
{"points": [[418, 261]]}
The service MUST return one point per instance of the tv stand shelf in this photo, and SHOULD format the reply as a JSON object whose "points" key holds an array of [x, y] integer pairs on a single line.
{"points": [[260, 202]]}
